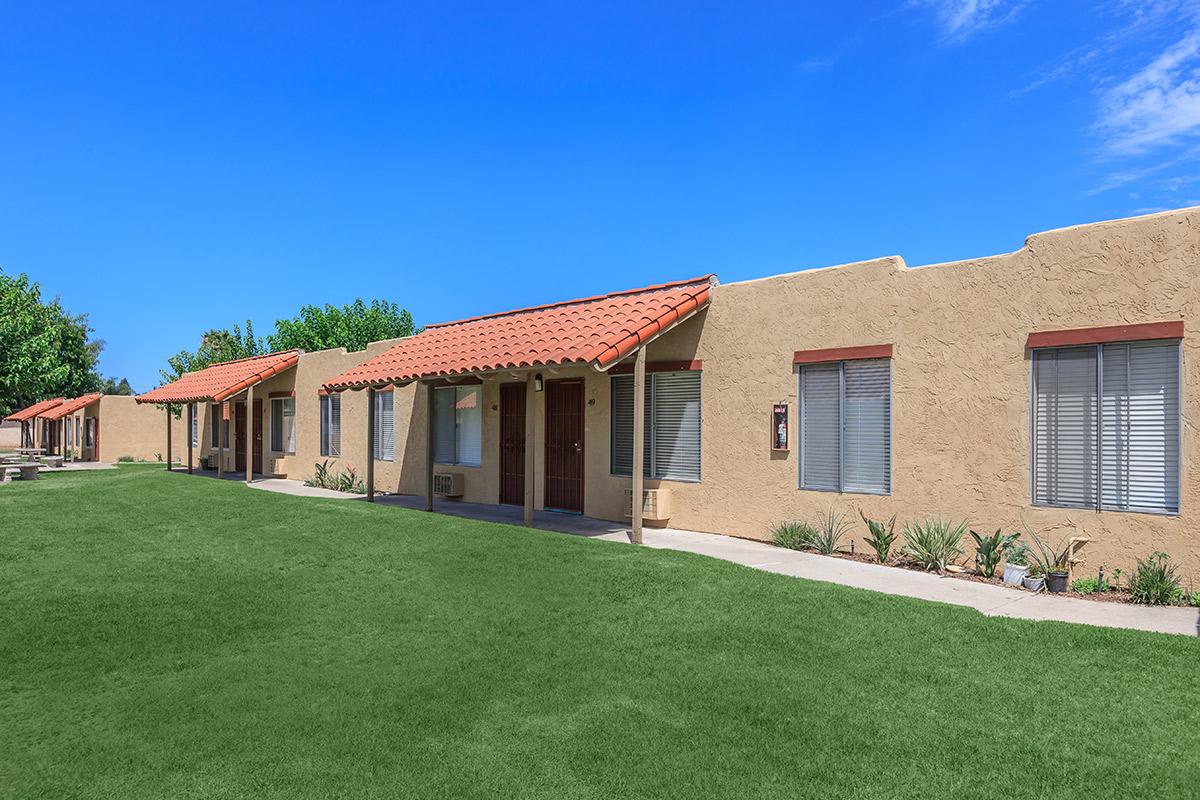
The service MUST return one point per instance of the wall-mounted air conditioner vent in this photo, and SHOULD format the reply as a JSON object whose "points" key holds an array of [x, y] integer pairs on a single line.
{"points": [[656, 504], [448, 484]]}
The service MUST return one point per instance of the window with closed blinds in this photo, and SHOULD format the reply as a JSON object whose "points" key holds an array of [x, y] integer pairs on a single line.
{"points": [[331, 425], [194, 421], [283, 424], [458, 425], [384, 446], [846, 426], [1106, 427], [214, 434], [672, 430]]}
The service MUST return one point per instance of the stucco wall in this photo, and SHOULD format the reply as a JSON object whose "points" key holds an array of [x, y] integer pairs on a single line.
{"points": [[961, 381], [961, 387], [128, 428]]}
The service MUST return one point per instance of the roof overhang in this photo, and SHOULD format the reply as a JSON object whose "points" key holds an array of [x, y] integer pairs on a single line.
{"points": [[597, 331], [30, 412], [68, 407], [219, 382]]}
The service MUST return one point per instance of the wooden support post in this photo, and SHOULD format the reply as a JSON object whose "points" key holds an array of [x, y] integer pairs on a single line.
{"points": [[168, 438], [221, 440], [530, 450], [191, 434], [371, 444], [250, 434], [430, 397], [639, 449]]}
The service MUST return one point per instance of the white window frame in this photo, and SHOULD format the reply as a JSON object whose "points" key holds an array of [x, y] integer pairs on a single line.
{"points": [[288, 446], [1099, 454], [458, 460], [650, 456], [841, 489], [194, 417]]}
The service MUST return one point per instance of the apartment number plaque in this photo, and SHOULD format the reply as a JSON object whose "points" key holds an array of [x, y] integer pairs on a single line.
{"points": [[779, 427]]}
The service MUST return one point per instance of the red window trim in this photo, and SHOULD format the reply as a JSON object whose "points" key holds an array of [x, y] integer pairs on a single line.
{"points": [[282, 394], [842, 354], [1110, 333], [660, 366]]}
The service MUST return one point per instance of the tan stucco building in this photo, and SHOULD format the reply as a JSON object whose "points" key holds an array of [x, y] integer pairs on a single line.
{"points": [[1050, 387]]}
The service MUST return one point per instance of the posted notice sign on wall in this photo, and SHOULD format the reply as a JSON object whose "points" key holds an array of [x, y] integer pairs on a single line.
{"points": [[779, 427]]}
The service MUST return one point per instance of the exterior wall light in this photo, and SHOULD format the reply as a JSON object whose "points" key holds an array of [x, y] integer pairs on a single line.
{"points": [[537, 382]]}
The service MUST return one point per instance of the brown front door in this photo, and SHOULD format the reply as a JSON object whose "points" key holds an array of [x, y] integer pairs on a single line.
{"points": [[564, 446], [239, 437], [512, 443]]}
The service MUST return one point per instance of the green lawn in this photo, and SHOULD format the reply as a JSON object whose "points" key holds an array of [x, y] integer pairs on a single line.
{"points": [[166, 636]]}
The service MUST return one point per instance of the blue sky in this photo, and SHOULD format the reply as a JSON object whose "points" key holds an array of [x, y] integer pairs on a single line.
{"points": [[172, 167]]}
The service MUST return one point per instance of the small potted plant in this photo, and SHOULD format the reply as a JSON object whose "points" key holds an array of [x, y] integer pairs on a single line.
{"points": [[1034, 580], [1054, 563], [1016, 564]]}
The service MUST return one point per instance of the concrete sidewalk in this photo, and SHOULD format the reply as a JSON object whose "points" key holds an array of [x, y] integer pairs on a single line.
{"points": [[986, 598]]}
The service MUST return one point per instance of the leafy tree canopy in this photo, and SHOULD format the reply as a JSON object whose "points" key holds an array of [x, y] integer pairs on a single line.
{"points": [[113, 386], [352, 326], [215, 346], [44, 349]]}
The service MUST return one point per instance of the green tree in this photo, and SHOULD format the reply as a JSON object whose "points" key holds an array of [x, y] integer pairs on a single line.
{"points": [[113, 386], [215, 346], [44, 349], [352, 326]]}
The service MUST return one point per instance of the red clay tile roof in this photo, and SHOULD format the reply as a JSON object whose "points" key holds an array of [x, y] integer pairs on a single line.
{"points": [[29, 412], [70, 406], [221, 381], [593, 330]]}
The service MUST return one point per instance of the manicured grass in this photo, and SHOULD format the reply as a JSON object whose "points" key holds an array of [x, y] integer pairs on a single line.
{"points": [[166, 636]]}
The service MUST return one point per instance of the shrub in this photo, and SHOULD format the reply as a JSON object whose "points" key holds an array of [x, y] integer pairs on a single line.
{"points": [[793, 535], [1154, 582], [933, 543], [1089, 585], [124, 459], [881, 537], [325, 478], [990, 550], [1019, 554], [828, 535]]}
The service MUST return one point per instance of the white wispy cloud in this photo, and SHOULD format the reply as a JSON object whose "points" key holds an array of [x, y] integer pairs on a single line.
{"points": [[960, 20], [1159, 104]]}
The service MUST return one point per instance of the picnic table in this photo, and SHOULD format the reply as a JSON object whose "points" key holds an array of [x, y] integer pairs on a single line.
{"points": [[31, 451]]}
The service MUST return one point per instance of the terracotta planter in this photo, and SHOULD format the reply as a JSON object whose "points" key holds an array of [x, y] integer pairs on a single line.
{"points": [[1056, 582]]}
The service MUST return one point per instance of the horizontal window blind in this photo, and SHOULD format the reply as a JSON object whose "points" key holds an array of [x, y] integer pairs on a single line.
{"points": [[214, 435], [384, 446], [1139, 467], [672, 432], [331, 425], [1106, 426], [1066, 430], [867, 427], [468, 425], [820, 427]]}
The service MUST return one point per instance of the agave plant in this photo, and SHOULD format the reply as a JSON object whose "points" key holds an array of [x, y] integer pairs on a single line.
{"points": [[881, 536], [831, 528], [933, 543], [991, 550]]}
